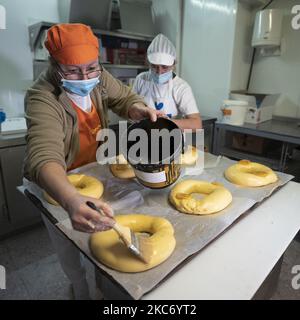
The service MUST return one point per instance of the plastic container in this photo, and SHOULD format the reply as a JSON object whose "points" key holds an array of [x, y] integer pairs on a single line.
{"points": [[234, 112]]}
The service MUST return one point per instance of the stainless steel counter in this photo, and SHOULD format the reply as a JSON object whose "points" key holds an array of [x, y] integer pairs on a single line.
{"points": [[12, 140], [284, 130], [287, 130], [15, 212]]}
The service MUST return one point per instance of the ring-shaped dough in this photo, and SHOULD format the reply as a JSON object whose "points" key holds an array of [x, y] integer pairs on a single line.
{"points": [[108, 249], [85, 185], [215, 199], [122, 169], [250, 174]]}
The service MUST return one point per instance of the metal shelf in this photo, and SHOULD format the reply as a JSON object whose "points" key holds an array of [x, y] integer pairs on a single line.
{"points": [[35, 29], [34, 32], [123, 34], [240, 155], [124, 66]]}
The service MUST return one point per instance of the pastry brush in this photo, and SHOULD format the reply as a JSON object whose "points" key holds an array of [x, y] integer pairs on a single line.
{"points": [[139, 246]]}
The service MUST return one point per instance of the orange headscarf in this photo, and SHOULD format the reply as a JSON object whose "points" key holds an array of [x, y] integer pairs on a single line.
{"points": [[72, 43]]}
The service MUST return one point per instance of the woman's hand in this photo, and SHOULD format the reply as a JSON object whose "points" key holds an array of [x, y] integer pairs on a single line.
{"points": [[54, 181], [139, 111], [84, 218]]}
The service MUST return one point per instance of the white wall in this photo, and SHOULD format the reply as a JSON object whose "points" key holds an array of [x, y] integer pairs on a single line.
{"points": [[167, 15], [207, 50], [15, 55], [242, 51], [281, 74]]}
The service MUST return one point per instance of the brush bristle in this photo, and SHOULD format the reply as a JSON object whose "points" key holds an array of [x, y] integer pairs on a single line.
{"points": [[140, 246], [145, 248]]}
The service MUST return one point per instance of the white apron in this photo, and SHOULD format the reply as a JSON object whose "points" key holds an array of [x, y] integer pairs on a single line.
{"points": [[159, 97]]}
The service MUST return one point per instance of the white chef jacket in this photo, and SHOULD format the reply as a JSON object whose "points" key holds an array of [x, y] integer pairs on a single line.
{"points": [[175, 98]]}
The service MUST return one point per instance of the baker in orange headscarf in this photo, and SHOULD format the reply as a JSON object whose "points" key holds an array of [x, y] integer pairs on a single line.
{"points": [[65, 109]]}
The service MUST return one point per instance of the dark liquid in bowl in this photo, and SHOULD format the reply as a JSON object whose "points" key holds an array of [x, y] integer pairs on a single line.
{"points": [[160, 150]]}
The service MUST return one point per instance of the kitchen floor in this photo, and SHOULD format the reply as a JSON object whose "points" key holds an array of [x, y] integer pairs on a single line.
{"points": [[33, 270]]}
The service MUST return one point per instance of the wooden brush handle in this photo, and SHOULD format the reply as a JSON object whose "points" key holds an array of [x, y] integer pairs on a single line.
{"points": [[117, 227], [122, 233]]}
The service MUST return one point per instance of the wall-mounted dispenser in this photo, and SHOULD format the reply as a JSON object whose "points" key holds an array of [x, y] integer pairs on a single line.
{"points": [[267, 31]]}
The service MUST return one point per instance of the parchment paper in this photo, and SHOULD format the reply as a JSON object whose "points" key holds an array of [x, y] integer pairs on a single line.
{"points": [[192, 232]]}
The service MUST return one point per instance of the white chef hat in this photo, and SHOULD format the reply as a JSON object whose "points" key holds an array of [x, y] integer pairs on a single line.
{"points": [[161, 51]]}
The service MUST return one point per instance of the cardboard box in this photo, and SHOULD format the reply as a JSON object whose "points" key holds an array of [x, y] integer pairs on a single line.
{"points": [[249, 143], [260, 106], [256, 145]]}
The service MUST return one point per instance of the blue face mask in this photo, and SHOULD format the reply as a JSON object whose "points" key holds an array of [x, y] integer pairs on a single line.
{"points": [[80, 87], [161, 78]]}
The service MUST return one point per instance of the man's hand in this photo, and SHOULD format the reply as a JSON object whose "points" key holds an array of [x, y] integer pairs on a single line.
{"points": [[139, 111], [86, 219]]}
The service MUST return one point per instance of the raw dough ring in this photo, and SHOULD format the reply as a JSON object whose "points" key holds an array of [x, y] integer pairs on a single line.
{"points": [[216, 197], [108, 249], [122, 169], [250, 174], [189, 157], [85, 185]]}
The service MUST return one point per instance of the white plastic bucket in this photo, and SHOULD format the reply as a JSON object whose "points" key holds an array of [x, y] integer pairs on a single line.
{"points": [[234, 112]]}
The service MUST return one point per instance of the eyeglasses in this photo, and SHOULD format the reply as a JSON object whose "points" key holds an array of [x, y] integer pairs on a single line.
{"points": [[92, 72], [162, 68]]}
